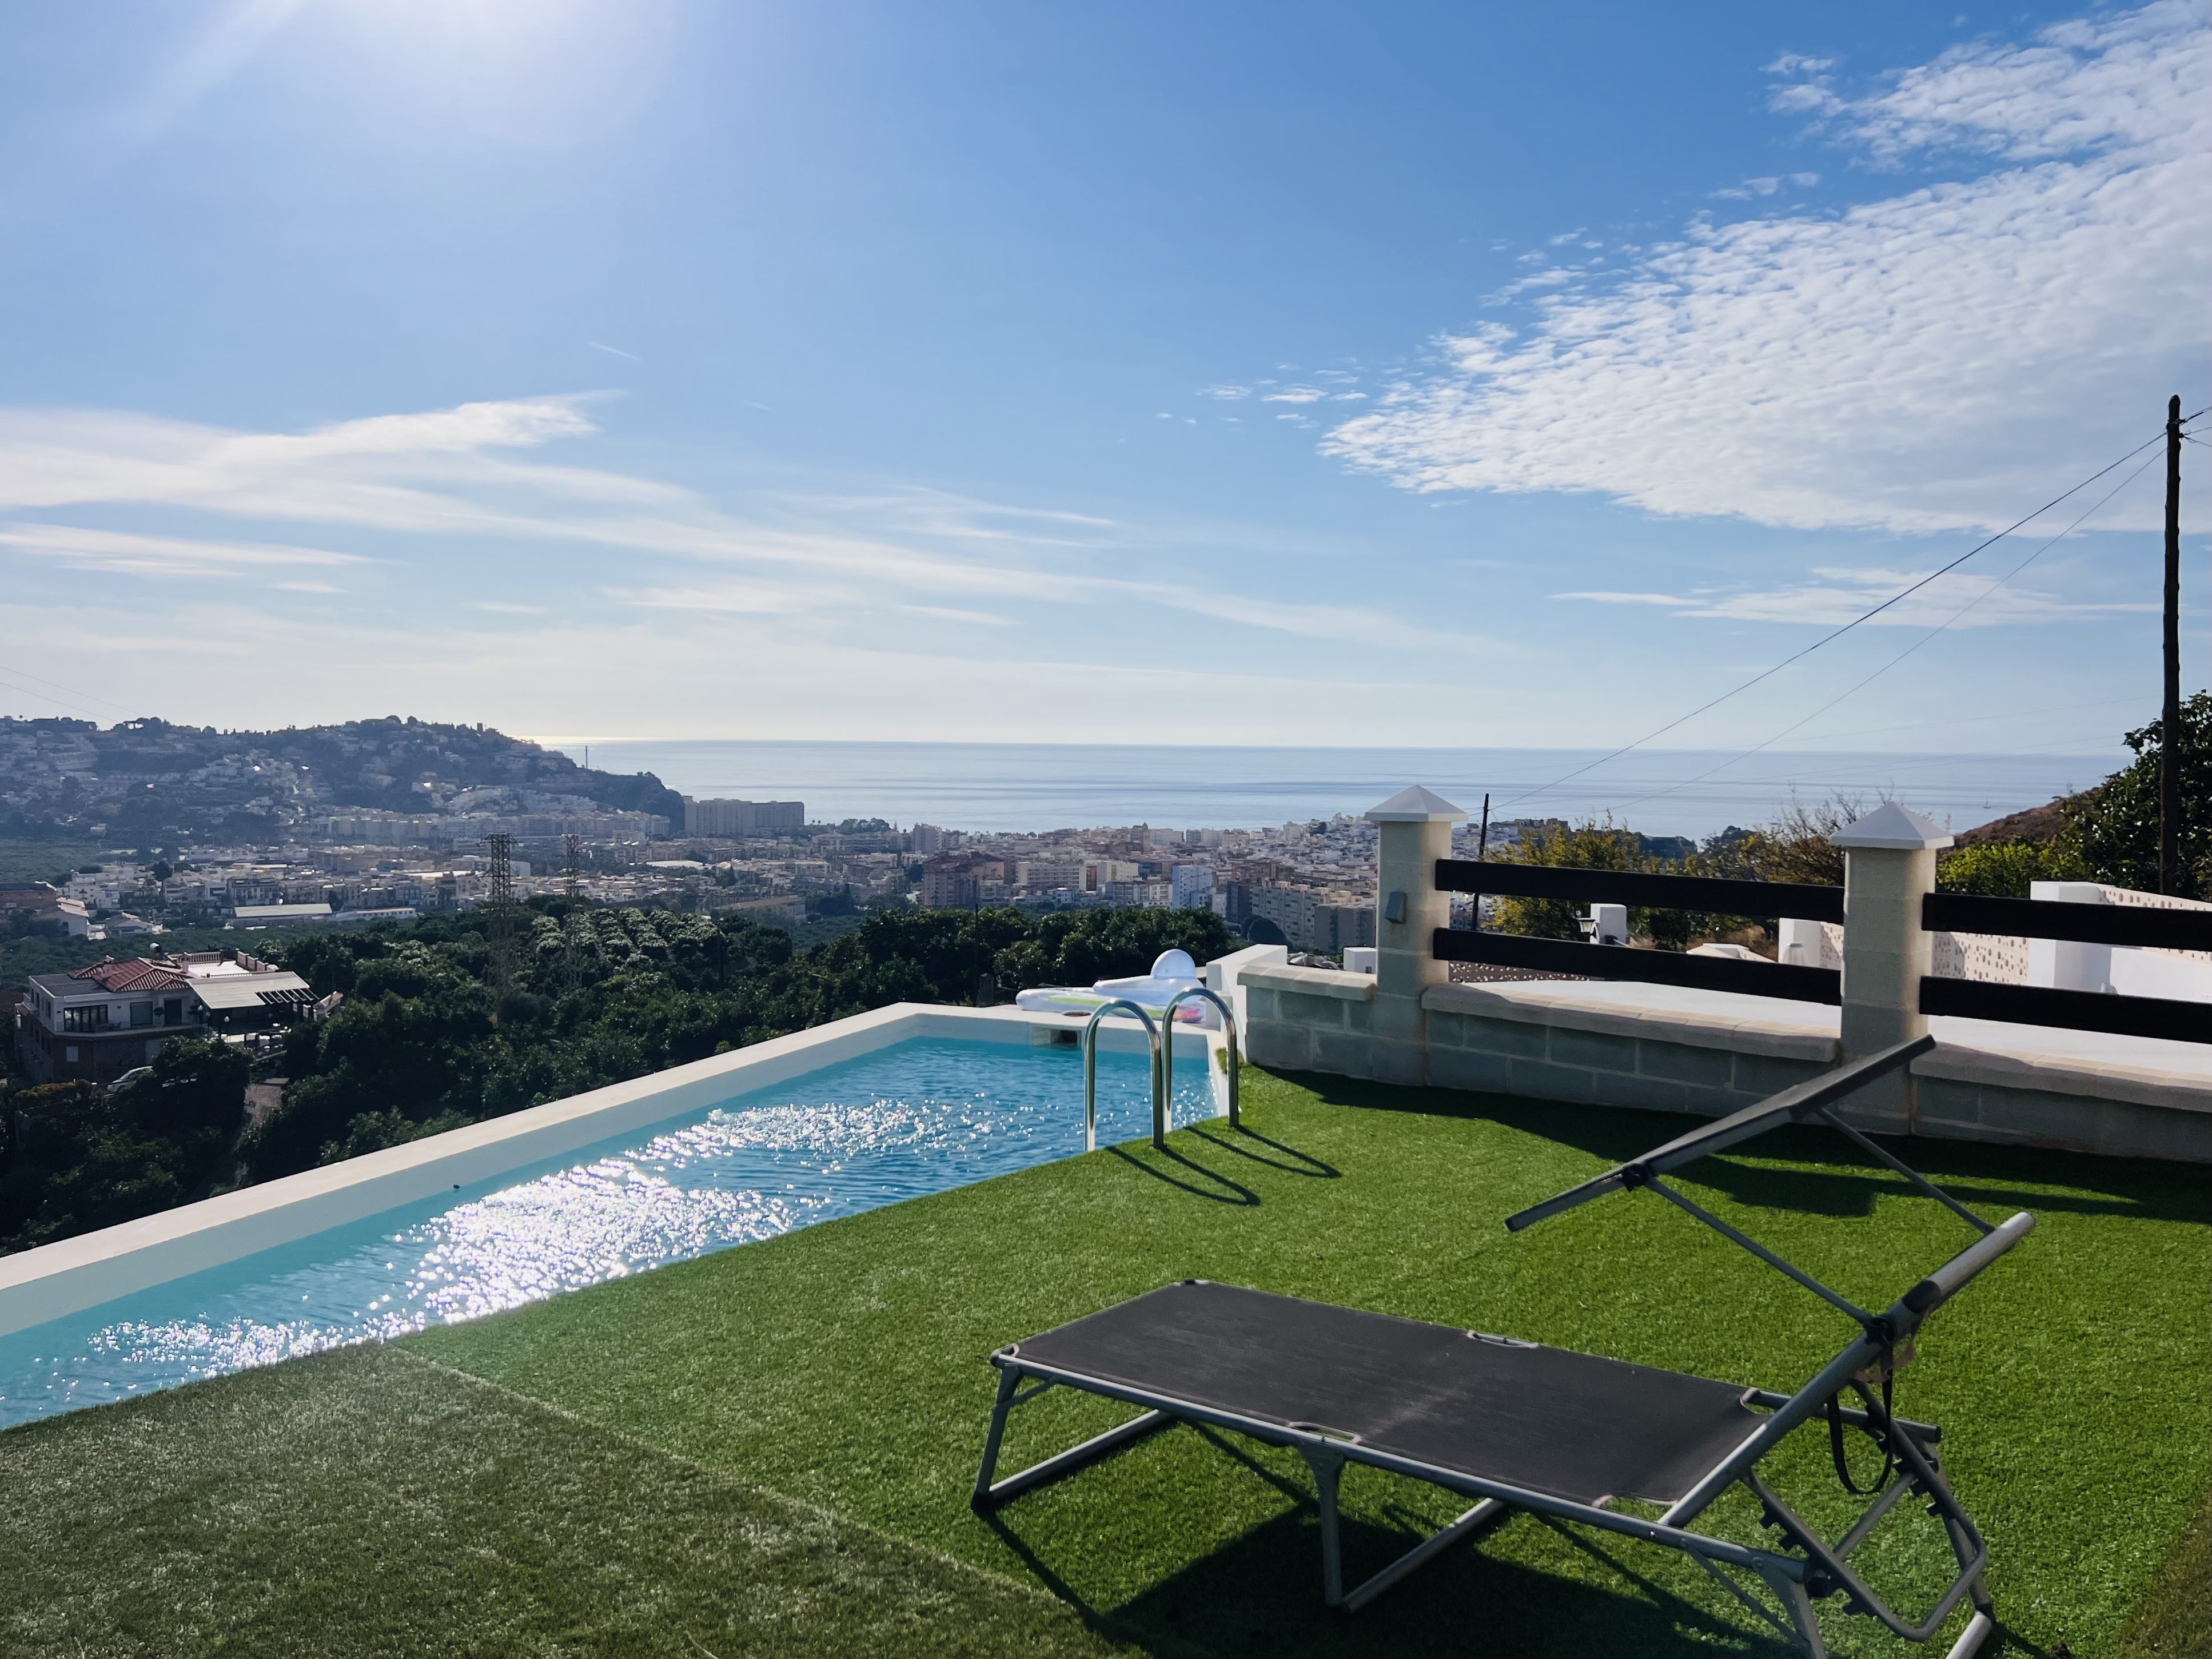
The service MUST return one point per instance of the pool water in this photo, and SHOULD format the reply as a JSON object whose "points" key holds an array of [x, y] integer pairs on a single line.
{"points": [[921, 1116]]}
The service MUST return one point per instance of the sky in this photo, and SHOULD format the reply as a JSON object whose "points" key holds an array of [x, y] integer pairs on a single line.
{"points": [[1274, 375]]}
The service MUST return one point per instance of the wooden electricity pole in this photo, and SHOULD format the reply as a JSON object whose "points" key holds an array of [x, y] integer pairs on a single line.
{"points": [[2170, 879]]}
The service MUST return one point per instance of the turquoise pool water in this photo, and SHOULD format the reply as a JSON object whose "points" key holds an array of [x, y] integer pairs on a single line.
{"points": [[921, 1116]]}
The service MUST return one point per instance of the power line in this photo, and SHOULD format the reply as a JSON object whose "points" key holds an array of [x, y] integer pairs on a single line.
{"points": [[1852, 690], [1768, 673], [1975, 720], [25, 674]]}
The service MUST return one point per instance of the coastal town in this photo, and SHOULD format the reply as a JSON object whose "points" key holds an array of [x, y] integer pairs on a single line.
{"points": [[313, 854]]}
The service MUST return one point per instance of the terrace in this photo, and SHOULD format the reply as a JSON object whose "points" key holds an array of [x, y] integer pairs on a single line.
{"points": [[770, 1449]]}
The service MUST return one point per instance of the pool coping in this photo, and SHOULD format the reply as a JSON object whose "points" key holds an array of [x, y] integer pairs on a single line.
{"points": [[53, 1281]]}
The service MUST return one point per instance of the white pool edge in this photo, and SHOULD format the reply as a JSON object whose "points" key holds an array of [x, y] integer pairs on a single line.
{"points": [[67, 1276]]}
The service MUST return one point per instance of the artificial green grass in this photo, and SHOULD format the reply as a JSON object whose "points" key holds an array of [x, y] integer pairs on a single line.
{"points": [[769, 1450], [372, 1502], [2174, 1619], [843, 1366]]}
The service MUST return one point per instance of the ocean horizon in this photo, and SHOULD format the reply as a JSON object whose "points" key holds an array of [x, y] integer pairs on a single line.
{"points": [[1033, 786]]}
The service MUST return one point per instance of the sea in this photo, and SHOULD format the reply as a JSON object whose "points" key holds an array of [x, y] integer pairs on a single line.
{"points": [[1032, 786]]}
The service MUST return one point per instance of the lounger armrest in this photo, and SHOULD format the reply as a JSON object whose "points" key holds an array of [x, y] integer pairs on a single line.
{"points": [[1939, 1287]]}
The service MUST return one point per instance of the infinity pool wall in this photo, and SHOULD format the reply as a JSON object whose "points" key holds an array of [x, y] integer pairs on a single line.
{"points": [[921, 1116]]}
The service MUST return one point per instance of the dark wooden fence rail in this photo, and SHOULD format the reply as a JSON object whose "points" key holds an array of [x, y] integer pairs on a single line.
{"points": [[2087, 924], [1559, 956], [1648, 891], [2077, 1011], [1643, 888]]}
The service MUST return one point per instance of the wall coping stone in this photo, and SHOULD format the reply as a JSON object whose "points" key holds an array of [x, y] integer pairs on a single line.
{"points": [[1566, 1003], [1312, 982], [2068, 1074]]}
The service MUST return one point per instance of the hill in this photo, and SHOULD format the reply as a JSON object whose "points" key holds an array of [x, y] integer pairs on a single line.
{"points": [[147, 782]]}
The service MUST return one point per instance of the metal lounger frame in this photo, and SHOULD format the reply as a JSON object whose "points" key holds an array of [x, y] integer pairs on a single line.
{"points": [[1812, 1569]]}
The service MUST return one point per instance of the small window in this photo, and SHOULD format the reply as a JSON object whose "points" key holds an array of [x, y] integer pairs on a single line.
{"points": [[142, 1014], [69, 1053]]}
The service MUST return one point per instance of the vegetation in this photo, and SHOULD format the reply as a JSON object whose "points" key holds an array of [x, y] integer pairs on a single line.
{"points": [[1796, 848], [2113, 829], [79, 1156], [421, 1043], [2007, 869], [587, 1475], [2108, 834]]}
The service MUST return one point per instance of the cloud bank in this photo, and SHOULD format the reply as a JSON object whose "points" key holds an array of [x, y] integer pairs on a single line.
{"points": [[1941, 358]]}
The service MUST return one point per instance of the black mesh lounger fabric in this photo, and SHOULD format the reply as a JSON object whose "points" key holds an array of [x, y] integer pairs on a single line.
{"points": [[1566, 1423]]}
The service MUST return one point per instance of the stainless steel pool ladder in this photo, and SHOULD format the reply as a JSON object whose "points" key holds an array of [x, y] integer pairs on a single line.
{"points": [[1160, 1039], [1091, 1073], [1167, 1045]]}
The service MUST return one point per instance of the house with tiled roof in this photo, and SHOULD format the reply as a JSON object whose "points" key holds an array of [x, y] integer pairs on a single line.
{"points": [[99, 1021]]}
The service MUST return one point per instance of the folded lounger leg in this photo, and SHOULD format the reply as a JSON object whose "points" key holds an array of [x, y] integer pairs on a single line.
{"points": [[1327, 1471]]}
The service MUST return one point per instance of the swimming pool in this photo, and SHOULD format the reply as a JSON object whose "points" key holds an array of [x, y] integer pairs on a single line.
{"points": [[919, 1116]]}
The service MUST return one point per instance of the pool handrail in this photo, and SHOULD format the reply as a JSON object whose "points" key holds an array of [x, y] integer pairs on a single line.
{"points": [[1091, 1073], [1167, 1046]]}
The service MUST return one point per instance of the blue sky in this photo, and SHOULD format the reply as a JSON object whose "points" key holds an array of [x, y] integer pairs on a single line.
{"points": [[1395, 375]]}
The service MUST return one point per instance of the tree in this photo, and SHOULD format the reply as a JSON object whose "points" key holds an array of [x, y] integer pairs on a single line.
{"points": [[2113, 829], [79, 1156]]}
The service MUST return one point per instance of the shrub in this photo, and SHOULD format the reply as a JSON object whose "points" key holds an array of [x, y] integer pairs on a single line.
{"points": [[2004, 869]]}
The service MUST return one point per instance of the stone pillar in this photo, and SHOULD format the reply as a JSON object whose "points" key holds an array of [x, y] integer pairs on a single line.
{"points": [[1416, 831], [1889, 866]]}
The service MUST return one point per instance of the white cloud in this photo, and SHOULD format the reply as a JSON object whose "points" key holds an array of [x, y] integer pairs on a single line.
{"points": [[1941, 358], [450, 478], [675, 680], [1226, 393], [1295, 394], [161, 555], [1837, 596], [1752, 188]]}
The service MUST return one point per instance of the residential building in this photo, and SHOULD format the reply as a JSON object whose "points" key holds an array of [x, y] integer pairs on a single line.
{"points": [[743, 817], [1313, 920], [1139, 894], [46, 905], [948, 886], [1191, 887], [275, 915], [102, 1021]]}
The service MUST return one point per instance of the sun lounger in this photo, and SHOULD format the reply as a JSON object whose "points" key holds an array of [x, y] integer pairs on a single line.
{"points": [[1516, 1426]]}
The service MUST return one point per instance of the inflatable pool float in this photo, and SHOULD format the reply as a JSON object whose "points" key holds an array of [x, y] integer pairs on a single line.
{"points": [[1172, 971]]}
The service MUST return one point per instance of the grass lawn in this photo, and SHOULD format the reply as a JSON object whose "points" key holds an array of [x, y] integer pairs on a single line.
{"points": [[606, 1485]]}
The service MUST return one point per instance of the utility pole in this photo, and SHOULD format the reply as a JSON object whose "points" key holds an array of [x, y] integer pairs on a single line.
{"points": [[2170, 879], [499, 919]]}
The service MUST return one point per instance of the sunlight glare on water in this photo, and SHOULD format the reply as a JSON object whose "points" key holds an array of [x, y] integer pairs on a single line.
{"points": [[920, 1117]]}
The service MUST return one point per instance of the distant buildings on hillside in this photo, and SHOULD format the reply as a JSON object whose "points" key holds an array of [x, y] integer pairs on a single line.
{"points": [[743, 817]]}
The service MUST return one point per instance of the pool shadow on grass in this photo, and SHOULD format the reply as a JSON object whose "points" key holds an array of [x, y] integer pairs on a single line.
{"points": [[1997, 1180], [1306, 1163], [1262, 1594], [1219, 1189]]}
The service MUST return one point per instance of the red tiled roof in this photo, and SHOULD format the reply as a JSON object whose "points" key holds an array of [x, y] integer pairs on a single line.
{"points": [[139, 975]]}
